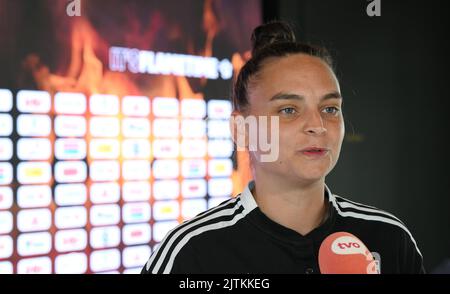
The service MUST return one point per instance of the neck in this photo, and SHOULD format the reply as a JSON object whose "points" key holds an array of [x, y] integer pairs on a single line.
{"points": [[298, 206]]}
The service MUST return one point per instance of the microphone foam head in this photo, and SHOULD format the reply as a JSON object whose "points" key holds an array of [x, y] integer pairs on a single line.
{"points": [[344, 253]]}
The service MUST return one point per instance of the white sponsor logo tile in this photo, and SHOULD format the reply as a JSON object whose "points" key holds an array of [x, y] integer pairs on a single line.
{"points": [[70, 240], [102, 104], [220, 167], [104, 193], [70, 103], [34, 172], [220, 148], [104, 237], [108, 214], [34, 244], [6, 124], [34, 196], [136, 127], [6, 197], [166, 210], [166, 127], [193, 168], [166, 148], [221, 187], [6, 247], [135, 170], [132, 271], [219, 109], [70, 194], [193, 188], [219, 129], [104, 260], [34, 149], [33, 101], [136, 191], [70, 149], [6, 173], [135, 255], [6, 222], [136, 105], [70, 126], [72, 263], [104, 170], [136, 148], [6, 100], [166, 169], [6, 149], [193, 148], [195, 108], [166, 189], [136, 234], [104, 126], [136, 212], [104, 149], [165, 107], [70, 217], [6, 268], [38, 265], [36, 125], [70, 171], [29, 220], [193, 128]]}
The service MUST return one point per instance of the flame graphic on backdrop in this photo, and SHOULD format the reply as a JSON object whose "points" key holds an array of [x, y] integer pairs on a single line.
{"points": [[87, 74]]}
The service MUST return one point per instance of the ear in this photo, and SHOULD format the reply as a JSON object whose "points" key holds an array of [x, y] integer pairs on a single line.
{"points": [[238, 130]]}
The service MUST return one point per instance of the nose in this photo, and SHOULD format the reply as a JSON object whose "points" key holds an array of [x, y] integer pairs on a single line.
{"points": [[314, 124]]}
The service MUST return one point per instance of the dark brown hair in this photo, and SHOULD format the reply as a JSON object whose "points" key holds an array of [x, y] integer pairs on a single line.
{"points": [[273, 39]]}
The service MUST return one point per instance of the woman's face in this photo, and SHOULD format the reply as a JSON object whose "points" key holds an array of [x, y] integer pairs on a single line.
{"points": [[304, 93]]}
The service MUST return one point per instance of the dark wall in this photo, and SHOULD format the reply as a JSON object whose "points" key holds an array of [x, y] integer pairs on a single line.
{"points": [[393, 71]]}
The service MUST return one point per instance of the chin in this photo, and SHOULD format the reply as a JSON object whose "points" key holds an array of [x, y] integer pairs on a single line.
{"points": [[311, 174], [311, 178]]}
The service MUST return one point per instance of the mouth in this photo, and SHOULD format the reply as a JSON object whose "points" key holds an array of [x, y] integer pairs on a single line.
{"points": [[314, 152]]}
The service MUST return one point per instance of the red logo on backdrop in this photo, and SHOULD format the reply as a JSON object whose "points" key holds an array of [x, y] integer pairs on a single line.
{"points": [[33, 102], [70, 240], [193, 188], [136, 233], [34, 269], [70, 171]]}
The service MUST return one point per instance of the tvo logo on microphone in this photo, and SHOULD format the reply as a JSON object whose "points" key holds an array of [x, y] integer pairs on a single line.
{"points": [[346, 245]]}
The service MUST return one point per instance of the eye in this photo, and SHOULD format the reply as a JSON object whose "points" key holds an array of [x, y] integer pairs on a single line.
{"points": [[288, 111], [331, 110]]}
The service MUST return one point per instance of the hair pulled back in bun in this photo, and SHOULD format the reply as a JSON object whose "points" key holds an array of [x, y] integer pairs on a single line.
{"points": [[271, 33], [273, 39]]}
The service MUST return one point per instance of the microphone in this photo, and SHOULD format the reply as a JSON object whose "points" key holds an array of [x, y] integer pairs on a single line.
{"points": [[344, 253]]}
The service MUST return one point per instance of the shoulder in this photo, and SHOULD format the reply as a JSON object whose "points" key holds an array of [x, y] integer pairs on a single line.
{"points": [[176, 247], [353, 209], [367, 215]]}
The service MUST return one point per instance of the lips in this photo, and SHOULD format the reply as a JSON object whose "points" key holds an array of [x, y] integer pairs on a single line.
{"points": [[314, 151]]}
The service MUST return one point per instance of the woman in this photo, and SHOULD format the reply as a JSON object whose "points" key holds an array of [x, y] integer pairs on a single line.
{"points": [[278, 223]]}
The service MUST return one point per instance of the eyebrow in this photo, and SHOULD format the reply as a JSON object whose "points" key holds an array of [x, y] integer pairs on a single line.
{"points": [[289, 96]]}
